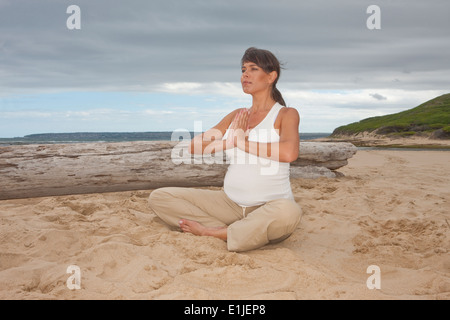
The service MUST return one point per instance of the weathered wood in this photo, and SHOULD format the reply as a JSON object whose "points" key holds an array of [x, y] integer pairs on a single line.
{"points": [[46, 170], [330, 155]]}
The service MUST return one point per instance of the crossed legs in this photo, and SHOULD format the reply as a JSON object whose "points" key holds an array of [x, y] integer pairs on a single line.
{"points": [[212, 213]]}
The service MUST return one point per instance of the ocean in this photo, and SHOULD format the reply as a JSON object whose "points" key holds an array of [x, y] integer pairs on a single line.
{"points": [[87, 137]]}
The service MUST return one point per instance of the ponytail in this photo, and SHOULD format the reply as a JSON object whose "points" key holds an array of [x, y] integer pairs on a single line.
{"points": [[276, 95]]}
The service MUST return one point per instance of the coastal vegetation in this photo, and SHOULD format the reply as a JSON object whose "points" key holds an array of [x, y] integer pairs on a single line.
{"points": [[430, 119]]}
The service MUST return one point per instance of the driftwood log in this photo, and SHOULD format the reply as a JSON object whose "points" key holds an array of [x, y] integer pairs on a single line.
{"points": [[60, 169]]}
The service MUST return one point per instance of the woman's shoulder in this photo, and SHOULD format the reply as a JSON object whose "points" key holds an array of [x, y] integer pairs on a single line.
{"points": [[287, 116], [289, 112]]}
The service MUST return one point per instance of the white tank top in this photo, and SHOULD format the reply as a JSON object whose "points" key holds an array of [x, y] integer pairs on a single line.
{"points": [[252, 180]]}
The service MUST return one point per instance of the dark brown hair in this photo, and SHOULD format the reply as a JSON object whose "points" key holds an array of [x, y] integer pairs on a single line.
{"points": [[267, 61]]}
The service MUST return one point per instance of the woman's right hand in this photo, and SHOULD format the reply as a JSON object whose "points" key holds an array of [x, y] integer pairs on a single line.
{"points": [[239, 129]]}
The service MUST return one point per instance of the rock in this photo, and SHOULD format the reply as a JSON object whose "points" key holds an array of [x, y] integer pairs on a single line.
{"points": [[440, 134], [331, 155], [48, 170], [312, 172]]}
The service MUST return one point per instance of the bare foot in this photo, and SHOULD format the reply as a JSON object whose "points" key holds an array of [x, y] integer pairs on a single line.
{"points": [[192, 227], [198, 229]]}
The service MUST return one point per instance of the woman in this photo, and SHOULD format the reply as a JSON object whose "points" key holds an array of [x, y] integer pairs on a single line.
{"points": [[255, 206]]}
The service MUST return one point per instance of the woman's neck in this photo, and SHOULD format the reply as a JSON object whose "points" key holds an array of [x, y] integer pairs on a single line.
{"points": [[262, 102]]}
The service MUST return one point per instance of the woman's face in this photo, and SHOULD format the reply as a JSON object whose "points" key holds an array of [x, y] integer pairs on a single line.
{"points": [[254, 79]]}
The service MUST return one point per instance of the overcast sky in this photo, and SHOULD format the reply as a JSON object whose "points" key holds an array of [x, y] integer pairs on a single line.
{"points": [[146, 65]]}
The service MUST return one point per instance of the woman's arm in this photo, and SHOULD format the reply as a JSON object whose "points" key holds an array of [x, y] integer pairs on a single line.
{"points": [[211, 141], [286, 150]]}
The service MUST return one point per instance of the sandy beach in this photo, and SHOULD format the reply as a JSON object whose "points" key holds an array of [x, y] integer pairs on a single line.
{"points": [[391, 209]]}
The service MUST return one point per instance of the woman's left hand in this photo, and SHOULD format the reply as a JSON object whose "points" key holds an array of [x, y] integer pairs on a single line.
{"points": [[239, 128]]}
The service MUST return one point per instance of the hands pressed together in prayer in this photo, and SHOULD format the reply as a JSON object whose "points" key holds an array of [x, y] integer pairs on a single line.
{"points": [[239, 129]]}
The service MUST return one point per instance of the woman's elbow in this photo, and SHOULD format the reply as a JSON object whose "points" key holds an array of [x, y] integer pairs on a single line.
{"points": [[191, 147], [292, 157], [293, 153], [289, 156]]}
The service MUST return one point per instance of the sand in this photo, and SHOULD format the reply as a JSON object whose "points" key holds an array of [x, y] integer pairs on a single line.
{"points": [[391, 209]]}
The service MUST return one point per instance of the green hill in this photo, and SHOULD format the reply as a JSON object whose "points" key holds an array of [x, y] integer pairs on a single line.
{"points": [[431, 118]]}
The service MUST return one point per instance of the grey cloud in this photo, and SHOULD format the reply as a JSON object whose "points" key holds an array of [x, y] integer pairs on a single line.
{"points": [[378, 96], [124, 45]]}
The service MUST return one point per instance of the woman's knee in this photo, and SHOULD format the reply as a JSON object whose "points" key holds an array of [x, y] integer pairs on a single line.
{"points": [[289, 211], [159, 196], [285, 221]]}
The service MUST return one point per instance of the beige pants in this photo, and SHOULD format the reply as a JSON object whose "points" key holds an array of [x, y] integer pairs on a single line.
{"points": [[248, 228]]}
